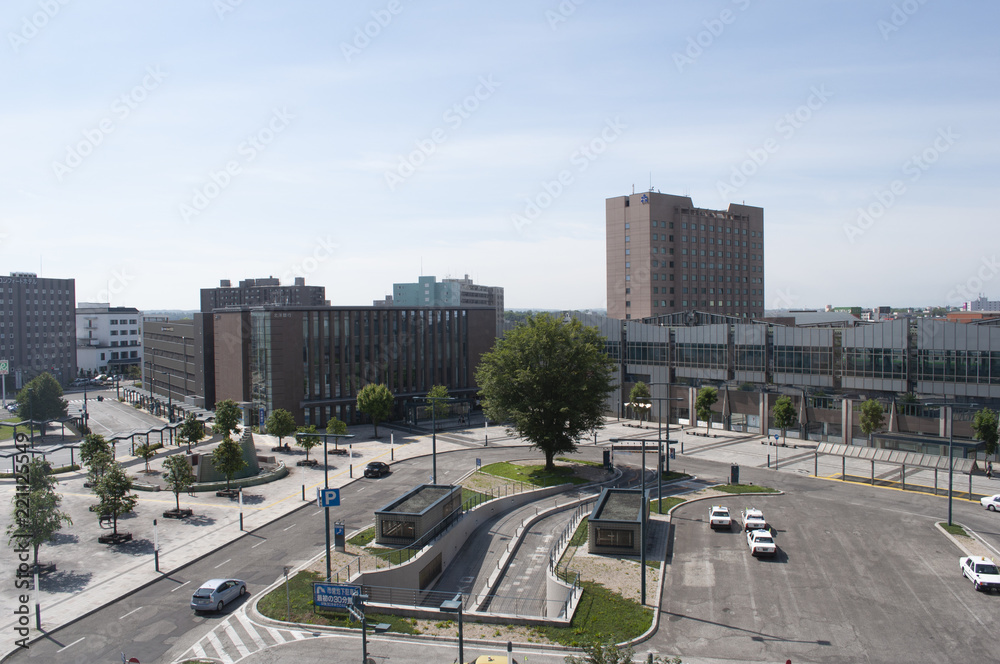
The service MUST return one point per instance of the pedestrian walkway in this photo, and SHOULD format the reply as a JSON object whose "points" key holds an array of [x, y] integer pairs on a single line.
{"points": [[237, 637]]}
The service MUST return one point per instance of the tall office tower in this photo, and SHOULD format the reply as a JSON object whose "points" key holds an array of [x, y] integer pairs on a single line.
{"points": [[37, 327], [664, 255]]}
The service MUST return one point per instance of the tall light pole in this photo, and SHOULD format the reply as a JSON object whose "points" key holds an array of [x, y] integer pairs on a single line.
{"points": [[643, 506], [951, 443], [326, 484], [434, 402]]}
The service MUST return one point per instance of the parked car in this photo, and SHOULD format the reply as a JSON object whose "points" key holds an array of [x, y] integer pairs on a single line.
{"points": [[718, 517], [761, 543], [376, 469], [216, 593], [992, 503], [981, 571], [12, 407], [753, 519]]}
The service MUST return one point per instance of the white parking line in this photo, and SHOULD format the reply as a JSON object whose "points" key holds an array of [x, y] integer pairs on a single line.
{"points": [[128, 614], [72, 644], [181, 586], [258, 544], [290, 527], [221, 564]]}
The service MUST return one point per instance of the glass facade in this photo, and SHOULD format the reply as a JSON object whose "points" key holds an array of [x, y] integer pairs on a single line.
{"points": [[959, 366], [803, 360], [887, 363]]}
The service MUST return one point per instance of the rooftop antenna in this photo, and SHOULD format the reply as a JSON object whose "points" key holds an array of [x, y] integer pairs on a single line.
{"points": [[651, 180]]}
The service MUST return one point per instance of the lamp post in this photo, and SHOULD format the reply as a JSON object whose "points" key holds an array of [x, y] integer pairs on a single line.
{"points": [[951, 443], [434, 401], [326, 484], [455, 606], [643, 506]]}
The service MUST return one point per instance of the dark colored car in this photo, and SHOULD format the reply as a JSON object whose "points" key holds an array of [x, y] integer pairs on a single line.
{"points": [[376, 469]]}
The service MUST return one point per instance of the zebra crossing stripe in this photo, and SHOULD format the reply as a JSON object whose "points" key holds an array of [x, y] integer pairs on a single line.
{"points": [[235, 638], [198, 651], [249, 628], [275, 634], [298, 635], [220, 651]]}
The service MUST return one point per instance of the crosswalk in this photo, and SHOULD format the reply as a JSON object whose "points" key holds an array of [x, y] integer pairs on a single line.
{"points": [[237, 637]]}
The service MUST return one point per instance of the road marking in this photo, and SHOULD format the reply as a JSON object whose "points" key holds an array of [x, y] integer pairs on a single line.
{"points": [[235, 638], [316, 512], [249, 627], [221, 564], [290, 527], [219, 650], [198, 651], [258, 544], [180, 586], [72, 644], [275, 634], [130, 613], [952, 591]]}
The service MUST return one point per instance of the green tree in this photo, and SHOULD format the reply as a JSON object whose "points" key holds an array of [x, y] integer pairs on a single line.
{"points": [[437, 402], [872, 418], [228, 459], [92, 444], [41, 399], [308, 442], [375, 401], [114, 490], [191, 431], [228, 418], [707, 396], [336, 426], [549, 380], [785, 415], [36, 515], [984, 425], [639, 399], [178, 476], [145, 452], [281, 423]]}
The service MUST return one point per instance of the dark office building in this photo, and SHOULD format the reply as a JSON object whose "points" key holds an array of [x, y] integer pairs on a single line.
{"points": [[37, 327], [179, 361], [261, 292], [313, 361]]}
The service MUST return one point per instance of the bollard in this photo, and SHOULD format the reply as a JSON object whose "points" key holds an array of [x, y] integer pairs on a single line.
{"points": [[768, 460], [303, 492], [351, 470], [486, 443]]}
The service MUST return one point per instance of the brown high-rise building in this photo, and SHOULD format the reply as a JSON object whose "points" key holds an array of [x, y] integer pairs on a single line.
{"points": [[261, 292], [664, 255]]}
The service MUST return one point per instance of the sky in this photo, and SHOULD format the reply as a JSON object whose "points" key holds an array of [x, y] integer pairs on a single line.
{"points": [[152, 149]]}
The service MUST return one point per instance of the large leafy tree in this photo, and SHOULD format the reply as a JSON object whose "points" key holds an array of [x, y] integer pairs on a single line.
{"points": [[41, 399], [178, 476], [114, 490], [872, 418], [984, 425], [228, 459], [548, 379], [191, 431], [375, 400], [785, 415], [228, 418], [281, 423], [707, 396], [640, 399], [36, 515]]}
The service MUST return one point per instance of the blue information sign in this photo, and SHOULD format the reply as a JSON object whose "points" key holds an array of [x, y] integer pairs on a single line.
{"points": [[328, 497], [338, 529], [334, 595]]}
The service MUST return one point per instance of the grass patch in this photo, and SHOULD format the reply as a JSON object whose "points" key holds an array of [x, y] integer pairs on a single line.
{"points": [[393, 556], [744, 488], [534, 475], [274, 605], [581, 534], [668, 503], [954, 529], [472, 498], [601, 615], [673, 475], [582, 462], [363, 538]]}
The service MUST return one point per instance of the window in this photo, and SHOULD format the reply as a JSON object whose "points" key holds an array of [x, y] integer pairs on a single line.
{"points": [[627, 238]]}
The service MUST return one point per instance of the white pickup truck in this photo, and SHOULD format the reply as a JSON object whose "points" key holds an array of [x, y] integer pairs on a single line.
{"points": [[753, 519], [761, 543]]}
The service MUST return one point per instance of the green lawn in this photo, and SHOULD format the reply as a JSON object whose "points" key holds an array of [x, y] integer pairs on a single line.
{"points": [[581, 534], [363, 538], [472, 498], [601, 615], [534, 475], [744, 488], [668, 502], [954, 529], [673, 475]]}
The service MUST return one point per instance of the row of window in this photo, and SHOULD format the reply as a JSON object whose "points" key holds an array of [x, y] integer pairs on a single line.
{"points": [[131, 321]]}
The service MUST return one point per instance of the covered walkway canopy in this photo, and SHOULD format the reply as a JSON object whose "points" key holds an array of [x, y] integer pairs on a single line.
{"points": [[896, 457]]}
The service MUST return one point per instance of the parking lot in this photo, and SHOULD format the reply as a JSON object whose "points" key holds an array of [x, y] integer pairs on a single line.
{"points": [[851, 582]]}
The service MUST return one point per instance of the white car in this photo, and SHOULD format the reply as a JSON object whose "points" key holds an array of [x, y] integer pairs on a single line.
{"points": [[216, 593], [753, 519], [761, 543], [992, 503], [718, 517], [981, 571]]}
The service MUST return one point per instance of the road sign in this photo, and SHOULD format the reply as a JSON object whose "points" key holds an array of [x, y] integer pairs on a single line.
{"points": [[262, 418], [479, 463], [338, 529], [328, 497], [4, 367], [334, 595], [356, 613]]}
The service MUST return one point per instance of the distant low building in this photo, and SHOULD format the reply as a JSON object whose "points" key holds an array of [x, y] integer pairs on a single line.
{"points": [[449, 292], [108, 339], [982, 304], [260, 292]]}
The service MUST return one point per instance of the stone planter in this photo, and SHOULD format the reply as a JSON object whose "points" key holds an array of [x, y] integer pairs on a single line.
{"points": [[178, 514], [307, 462], [115, 538], [228, 493]]}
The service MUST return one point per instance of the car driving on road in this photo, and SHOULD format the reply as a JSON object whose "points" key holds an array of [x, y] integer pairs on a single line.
{"points": [[992, 503], [761, 543], [216, 593], [376, 469], [718, 517], [981, 571], [753, 519]]}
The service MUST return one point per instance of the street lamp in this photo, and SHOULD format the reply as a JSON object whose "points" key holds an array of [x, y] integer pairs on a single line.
{"points": [[326, 484], [434, 401], [659, 439], [455, 606], [642, 516], [951, 442]]}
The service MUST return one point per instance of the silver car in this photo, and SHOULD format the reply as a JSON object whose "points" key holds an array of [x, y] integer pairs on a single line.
{"points": [[216, 593]]}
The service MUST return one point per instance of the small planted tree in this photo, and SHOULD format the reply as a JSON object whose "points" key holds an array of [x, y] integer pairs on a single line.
{"points": [[872, 418], [114, 490], [91, 445], [307, 442], [336, 426], [375, 401], [97, 465], [36, 516], [281, 423], [228, 418], [191, 431], [784, 415], [228, 460], [146, 453], [707, 396], [178, 476], [639, 399], [984, 426], [437, 402]]}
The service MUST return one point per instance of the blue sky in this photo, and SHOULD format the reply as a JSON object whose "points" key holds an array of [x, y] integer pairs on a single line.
{"points": [[150, 151]]}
